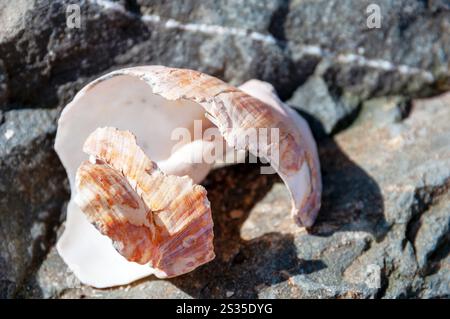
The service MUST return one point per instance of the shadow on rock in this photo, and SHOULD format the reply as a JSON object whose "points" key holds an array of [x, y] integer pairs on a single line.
{"points": [[351, 199], [242, 267]]}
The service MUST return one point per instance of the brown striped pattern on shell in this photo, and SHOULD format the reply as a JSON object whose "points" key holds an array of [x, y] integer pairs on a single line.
{"points": [[229, 108], [151, 217], [107, 199], [235, 113]]}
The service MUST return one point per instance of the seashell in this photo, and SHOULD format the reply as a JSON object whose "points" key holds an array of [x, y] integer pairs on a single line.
{"points": [[152, 102], [152, 218], [305, 183]]}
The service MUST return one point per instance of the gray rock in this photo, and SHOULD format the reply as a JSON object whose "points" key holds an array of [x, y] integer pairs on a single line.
{"points": [[276, 41], [315, 99], [383, 227], [382, 231], [42, 55], [3, 86], [411, 32], [436, 284], [46, 62], [430, 230], [254, 15], [406, 56], [400, 57], [32, 191]]}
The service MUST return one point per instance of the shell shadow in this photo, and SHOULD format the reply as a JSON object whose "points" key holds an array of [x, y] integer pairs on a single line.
{"points": [[242, 266], [351, 198], [351, 201]]}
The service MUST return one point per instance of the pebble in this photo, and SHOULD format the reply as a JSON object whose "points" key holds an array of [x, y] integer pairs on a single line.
{"points": [[236, 213]]}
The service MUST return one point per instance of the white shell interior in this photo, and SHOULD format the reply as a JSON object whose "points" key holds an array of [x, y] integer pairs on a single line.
{"points": [[127, 103]]}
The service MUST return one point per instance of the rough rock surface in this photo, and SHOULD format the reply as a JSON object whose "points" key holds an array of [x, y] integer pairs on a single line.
{"points": [[383, 230], [315, 99], [32, 192], [279, 41]]}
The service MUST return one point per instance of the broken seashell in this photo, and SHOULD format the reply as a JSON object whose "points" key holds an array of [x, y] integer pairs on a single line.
{"points": [[152, 102], [156, 219], [305, 183]]}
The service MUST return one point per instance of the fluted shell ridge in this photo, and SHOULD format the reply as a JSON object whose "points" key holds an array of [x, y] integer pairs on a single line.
{"points": [[152, 218]]}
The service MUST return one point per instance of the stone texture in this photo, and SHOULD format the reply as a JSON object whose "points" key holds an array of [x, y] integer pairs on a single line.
{"points": [[412, 33], [32, 192], [315, 99], [255, 15], [278, 41], [3, 85], [383, 228]]}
